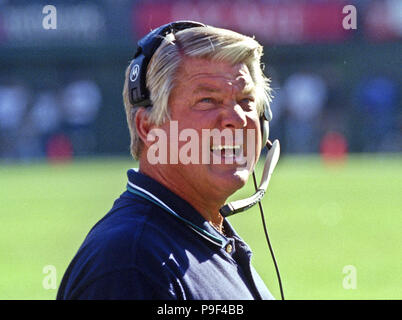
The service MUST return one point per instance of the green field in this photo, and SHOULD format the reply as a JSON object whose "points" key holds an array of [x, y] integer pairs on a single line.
{"points": [[320, 219]]}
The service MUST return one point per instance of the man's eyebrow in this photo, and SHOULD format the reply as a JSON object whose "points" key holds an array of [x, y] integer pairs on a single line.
{"points": [[206, 88], [248, 90]]}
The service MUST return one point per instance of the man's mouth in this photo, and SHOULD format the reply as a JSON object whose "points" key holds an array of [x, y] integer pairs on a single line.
{"points": [[227, 154]]}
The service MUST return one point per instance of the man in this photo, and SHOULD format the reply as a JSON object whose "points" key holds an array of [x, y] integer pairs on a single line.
{"points": [[165, 238]]}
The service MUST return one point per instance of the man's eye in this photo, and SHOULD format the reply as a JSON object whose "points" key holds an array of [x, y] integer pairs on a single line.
{"points": [[206, 103], [247, 100], [247, 103], [207, 100]]}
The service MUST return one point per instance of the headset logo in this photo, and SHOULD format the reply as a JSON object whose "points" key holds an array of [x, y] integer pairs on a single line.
{"points": [[135, 71]]}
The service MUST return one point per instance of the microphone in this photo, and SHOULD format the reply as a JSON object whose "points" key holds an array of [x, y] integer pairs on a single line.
{"points": [[269, 166]]}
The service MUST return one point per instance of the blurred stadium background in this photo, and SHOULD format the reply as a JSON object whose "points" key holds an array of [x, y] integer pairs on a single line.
{"points": [[337, 112]]}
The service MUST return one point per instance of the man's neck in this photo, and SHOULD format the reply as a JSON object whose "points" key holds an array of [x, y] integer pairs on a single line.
{"points": [[206, 206]]}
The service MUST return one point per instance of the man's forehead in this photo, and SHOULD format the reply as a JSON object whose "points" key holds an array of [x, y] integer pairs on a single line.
{"points": [[203, 74]]}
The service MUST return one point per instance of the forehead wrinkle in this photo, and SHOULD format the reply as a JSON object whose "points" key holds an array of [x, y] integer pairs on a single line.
{"points": [[226, 86], [214, 80]]}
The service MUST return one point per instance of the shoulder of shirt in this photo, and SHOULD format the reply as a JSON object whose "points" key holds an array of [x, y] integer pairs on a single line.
{"points": [[131, 237], [132, 229]]}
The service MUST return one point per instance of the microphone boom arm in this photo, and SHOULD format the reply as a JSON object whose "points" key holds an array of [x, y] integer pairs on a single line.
{"points": [[269, 166]]}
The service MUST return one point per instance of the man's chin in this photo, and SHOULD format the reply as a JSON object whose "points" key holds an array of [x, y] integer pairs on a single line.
{"points": [[230, 179]]}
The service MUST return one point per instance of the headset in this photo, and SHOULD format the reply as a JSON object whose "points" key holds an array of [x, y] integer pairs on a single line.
{"points": [[139, 96]]}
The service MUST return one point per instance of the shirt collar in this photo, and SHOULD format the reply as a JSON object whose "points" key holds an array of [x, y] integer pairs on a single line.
{"points": [[148, 188]]}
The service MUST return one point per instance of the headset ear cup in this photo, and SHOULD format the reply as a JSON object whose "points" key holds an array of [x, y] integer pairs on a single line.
{"points": [[138, 92], [264, 131]]}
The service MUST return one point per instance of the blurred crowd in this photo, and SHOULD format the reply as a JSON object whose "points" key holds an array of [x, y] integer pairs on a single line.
{"points": [[335, 90], [53, 123], [309, 108]]}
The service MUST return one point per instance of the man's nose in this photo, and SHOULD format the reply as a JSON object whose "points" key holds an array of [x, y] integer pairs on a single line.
{"points": [[233, 117]]}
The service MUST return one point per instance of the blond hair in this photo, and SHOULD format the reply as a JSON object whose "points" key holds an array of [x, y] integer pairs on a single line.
{"points": [[211, 43]]}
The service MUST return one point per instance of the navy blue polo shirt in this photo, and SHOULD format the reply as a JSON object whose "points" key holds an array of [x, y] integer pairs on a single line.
{"points": [[154, 245]]}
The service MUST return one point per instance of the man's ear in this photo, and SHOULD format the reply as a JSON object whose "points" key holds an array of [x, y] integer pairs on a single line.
{"points": [[143, 125]]}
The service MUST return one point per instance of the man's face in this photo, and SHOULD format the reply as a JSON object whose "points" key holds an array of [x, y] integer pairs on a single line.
{"points": [[215, 96]]}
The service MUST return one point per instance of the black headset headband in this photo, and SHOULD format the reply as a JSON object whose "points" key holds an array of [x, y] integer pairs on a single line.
{"points": [[138, 91]]}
